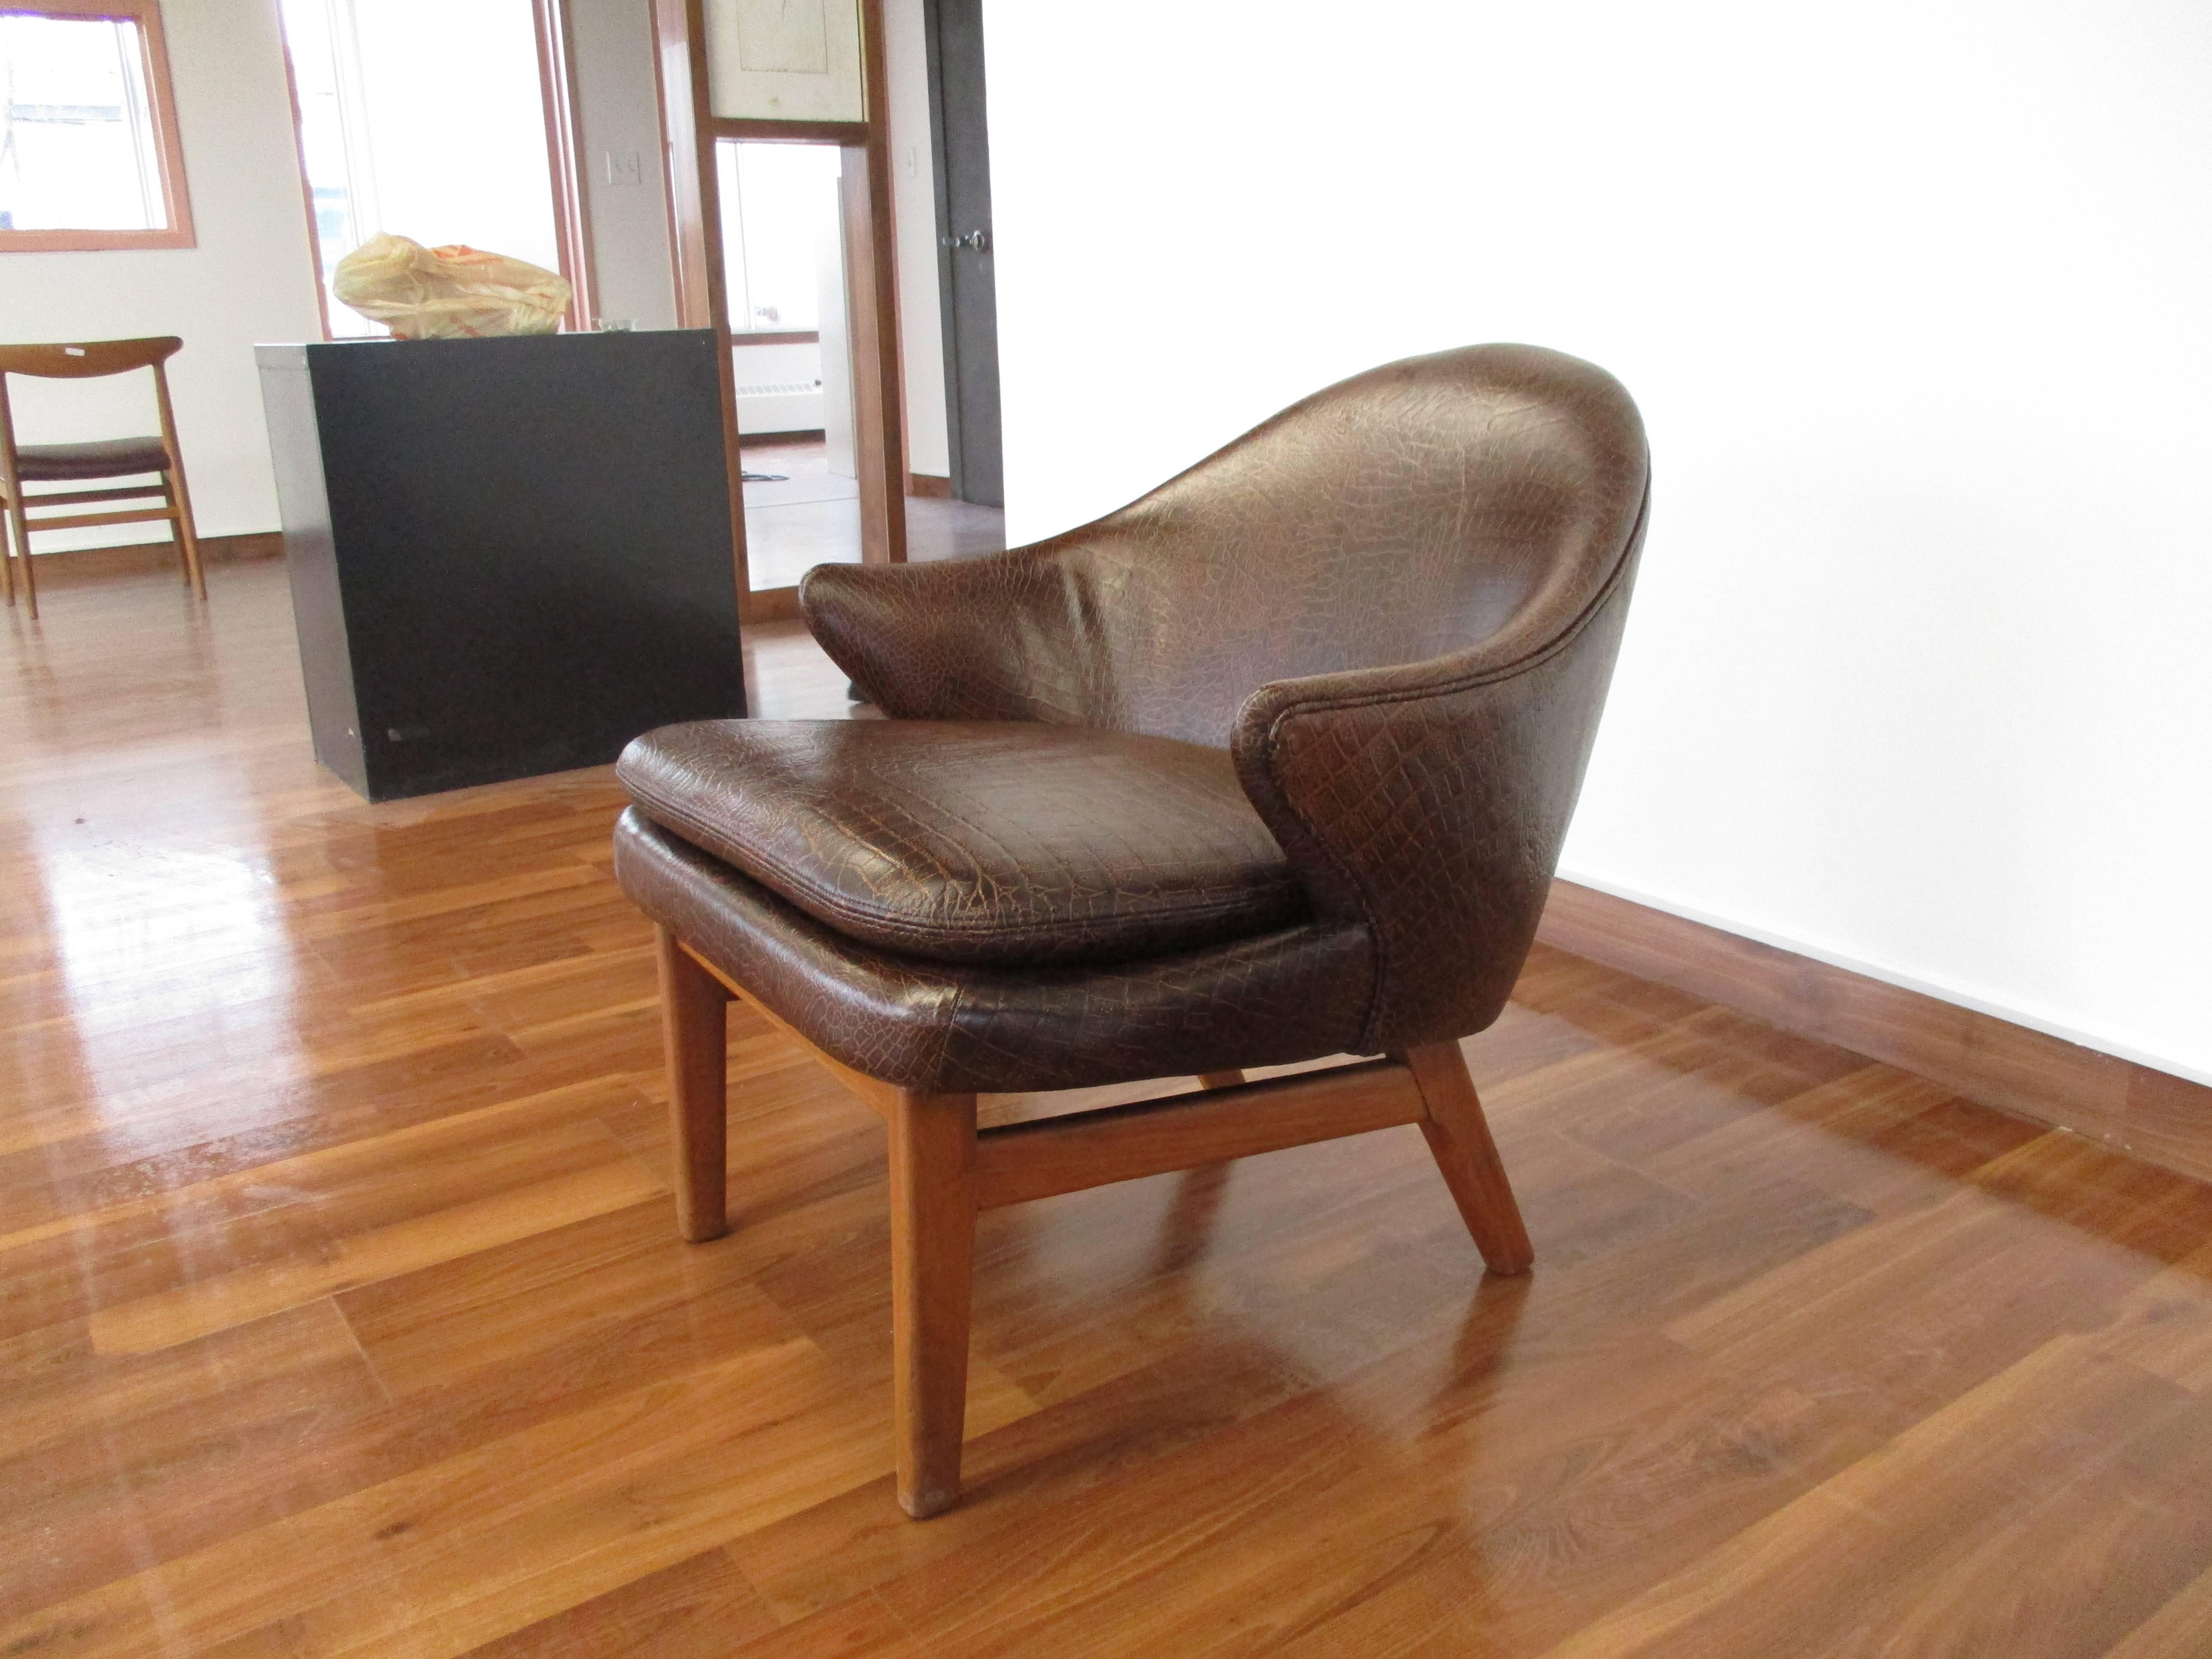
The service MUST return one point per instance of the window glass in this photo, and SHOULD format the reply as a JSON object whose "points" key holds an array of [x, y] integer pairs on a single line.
{"points": [[424, 118], [77, 143], [780, 231], [332, 184]]}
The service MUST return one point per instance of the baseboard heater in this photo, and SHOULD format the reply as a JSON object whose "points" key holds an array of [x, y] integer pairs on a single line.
{"points": [[781, 406]]}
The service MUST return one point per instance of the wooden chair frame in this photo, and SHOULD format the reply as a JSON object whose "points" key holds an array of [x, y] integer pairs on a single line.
{"points": [[944, 1169], [82, 361]]}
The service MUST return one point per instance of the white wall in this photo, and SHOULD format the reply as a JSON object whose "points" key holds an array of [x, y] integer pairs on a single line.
{"points": [[610, 58], [1917, 298], [250, 279], [914, 207]]}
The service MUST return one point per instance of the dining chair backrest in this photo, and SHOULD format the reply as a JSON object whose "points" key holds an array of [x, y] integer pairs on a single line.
{"points": [[88, 359]]}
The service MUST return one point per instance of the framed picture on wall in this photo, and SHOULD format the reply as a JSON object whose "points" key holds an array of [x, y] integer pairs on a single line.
{"points": [[785, 60]]}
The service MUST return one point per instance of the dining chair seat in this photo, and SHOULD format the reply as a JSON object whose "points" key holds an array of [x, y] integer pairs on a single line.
{"points": [[102, 457]]}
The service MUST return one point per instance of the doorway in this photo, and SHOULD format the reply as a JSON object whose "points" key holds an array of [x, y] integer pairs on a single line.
{"points": [[785, 293], [829, 97], [967, 283]]}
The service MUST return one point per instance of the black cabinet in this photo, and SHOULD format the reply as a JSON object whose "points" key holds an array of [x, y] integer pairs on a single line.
{"points": [[507, 556]]}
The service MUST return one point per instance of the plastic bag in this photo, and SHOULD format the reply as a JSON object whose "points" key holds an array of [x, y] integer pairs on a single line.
{"points": [[448, 293]]}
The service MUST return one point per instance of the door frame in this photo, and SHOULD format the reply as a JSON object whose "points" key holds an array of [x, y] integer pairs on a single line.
{"points": [[690, 131], [964, 356]]}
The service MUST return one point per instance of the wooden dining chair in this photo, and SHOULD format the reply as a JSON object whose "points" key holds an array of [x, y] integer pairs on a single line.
{"points": [[93, 461], [1272, 766]]}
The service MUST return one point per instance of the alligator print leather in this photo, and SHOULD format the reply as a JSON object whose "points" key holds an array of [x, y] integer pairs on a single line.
{"points": [[1269, 1000], [1332, 690], [977, 841]]}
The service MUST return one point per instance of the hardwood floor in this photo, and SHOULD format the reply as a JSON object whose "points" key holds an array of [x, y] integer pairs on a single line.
{"points": [[343, 1310], [809, 515]]}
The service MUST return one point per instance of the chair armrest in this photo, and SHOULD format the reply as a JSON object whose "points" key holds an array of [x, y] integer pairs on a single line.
{"points": [[956, 639], [1429, 801]]}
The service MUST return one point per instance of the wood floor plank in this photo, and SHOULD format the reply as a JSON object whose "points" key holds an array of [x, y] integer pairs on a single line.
{"points": [[2164, 1326], [1879, 1138], [620, 1284], [1065, 1454], [700, 1608], [111, 1464], [214, 1304], [1939, 1545], [284, 1245], [217, 1183], [469, 1549], [1963, 1289], [2176, 1631]]}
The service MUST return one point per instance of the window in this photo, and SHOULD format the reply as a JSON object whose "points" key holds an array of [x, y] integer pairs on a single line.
{"points": [[780, 233], [89, 150], [426, 119]]}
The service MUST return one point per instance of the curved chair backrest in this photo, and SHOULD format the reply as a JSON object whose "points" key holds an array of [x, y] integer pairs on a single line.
{"points": [[1415, 510], [85, 359], [1421, 508]]}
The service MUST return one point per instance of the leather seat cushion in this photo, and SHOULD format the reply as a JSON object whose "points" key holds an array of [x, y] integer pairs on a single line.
{"points": [[105, 457], [1296, 993], [1001, 841]]}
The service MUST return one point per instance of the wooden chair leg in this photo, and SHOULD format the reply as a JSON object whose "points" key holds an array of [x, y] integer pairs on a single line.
{"points": [[23, 548], [173, 486], [12, 534], [1458, 1136], [932, 1141], [188, 541], [694, 1030]]}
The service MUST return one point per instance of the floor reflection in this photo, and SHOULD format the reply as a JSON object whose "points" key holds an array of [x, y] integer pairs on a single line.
{"points": [[808, 515]]}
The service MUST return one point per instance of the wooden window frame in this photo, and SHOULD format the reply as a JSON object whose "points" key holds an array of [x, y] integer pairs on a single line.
{"points": [[168, 145], [572, 225]]}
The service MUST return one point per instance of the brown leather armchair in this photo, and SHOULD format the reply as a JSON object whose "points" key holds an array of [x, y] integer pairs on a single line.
{"points": [[1272, 765]]}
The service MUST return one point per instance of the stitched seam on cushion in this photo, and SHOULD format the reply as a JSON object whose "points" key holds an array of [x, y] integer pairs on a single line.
{"points": [[897, 922], [947, 1033], [1016, 932]]}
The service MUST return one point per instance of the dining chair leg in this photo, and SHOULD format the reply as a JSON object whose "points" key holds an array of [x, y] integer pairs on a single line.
{"points": [[188, 541], [1459, 1138], [172, 482], [176, 528], [933, 1157], [695, 1015], [22, 526]]}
